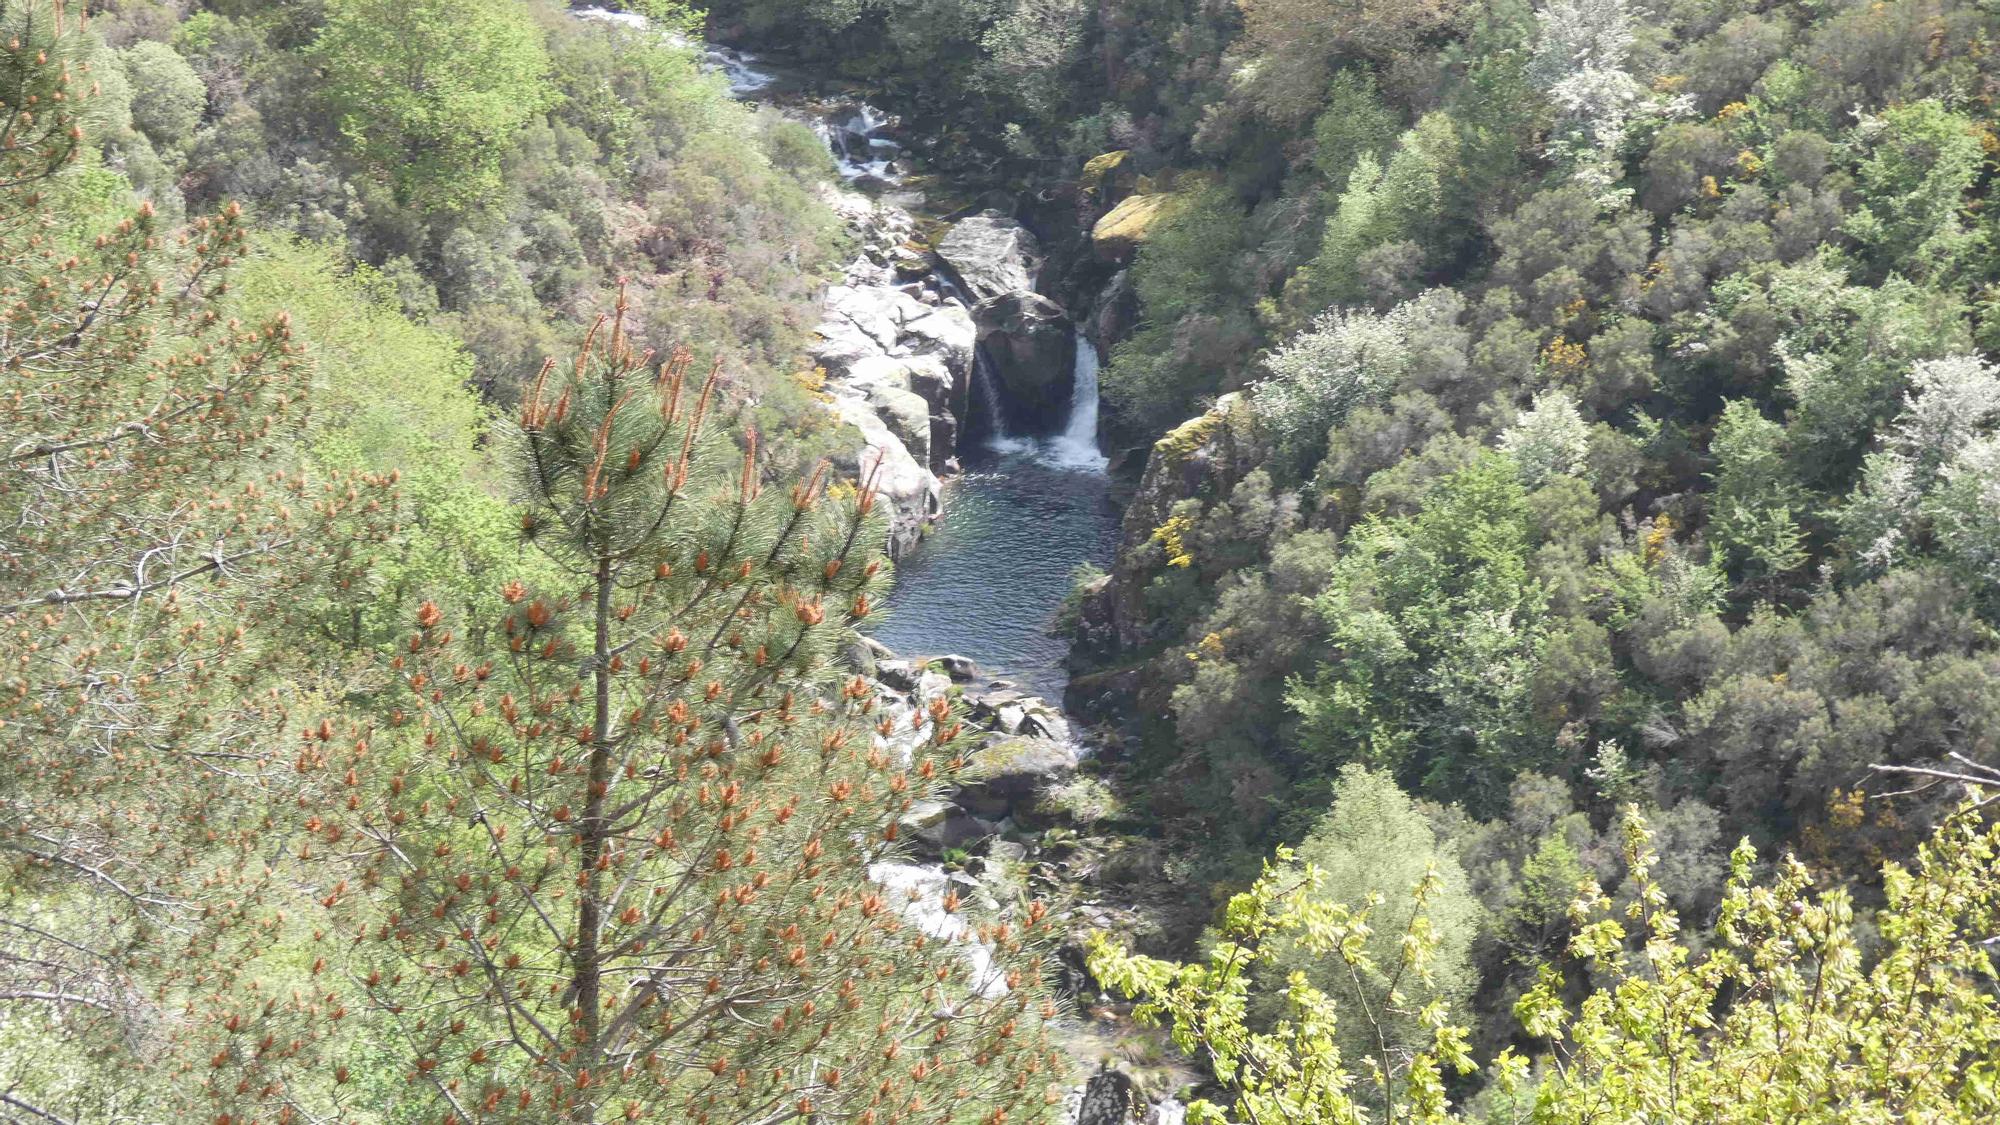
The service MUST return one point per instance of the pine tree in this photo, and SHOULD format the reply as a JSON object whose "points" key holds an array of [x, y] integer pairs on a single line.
{"points": [[607, 857]]}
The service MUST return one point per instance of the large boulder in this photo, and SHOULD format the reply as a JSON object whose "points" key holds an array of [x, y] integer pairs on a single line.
{"points": [[1027, 339], [1030, 345], [1117, 235], [991, 254], [938, 825], [882, 460], [1008, 771]]}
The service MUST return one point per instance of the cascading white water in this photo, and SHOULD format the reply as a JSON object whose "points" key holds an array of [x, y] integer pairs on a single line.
{"points": [[734, 66], [1076, 448]]}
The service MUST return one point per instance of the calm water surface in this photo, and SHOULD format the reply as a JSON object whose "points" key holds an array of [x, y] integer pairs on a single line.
{"points": [[990, 579]]}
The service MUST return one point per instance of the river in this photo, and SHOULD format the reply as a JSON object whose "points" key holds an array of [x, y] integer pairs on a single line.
{"points": [[1027, 511]]}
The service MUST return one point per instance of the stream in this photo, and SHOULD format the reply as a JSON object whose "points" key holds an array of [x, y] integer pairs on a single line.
{"points": [[989, 580]]}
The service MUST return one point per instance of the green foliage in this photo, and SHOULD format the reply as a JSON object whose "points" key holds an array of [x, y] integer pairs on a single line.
{"points": [[1921, 160], [392, 396], [1783, 1017], [168, 97], [429, 92], [1389, 221], [1434, 621], [1354, 124], [1369, 850], [1195, 326]]}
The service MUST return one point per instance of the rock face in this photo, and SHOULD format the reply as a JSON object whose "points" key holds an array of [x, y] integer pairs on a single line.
{"points": [[1026, 338], [898, 358]]}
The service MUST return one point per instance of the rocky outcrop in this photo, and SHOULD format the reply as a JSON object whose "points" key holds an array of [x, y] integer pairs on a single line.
{"points": [[1023, 745], [1026, 338], [897, 355], [885, 463], [990, 255], [1118, 235], [1203, 459]]}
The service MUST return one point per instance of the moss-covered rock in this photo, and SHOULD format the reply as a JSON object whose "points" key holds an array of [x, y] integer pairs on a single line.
{"points": [[1117, 235], [1006, 773], [1108, 176]]}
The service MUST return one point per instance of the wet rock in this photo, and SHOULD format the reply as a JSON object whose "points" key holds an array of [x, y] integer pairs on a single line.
{"points": [[944, 391], [1025, 337], [1031, 345], [1010, 717], [1044, 721], [962, 669], [910, 263], [1107, 1099]]}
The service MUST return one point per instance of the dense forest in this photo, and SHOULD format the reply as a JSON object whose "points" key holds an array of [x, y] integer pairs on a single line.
{"points": [[455, 455]]}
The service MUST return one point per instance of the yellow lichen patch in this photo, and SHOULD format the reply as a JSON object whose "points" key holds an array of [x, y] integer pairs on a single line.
{"points": [[1658, 538], [1125, 226], [1103, 166]]}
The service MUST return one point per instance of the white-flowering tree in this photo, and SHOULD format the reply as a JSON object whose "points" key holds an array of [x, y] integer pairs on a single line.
{"points": [[1582, 48], [1348, 357], [1549, 440], [1926, 468], [1964, 513]]}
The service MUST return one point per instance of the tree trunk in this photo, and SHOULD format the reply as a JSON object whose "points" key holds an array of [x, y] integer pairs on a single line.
{"points": [[591, 838]]}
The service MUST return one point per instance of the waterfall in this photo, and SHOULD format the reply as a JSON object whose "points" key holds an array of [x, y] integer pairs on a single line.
{"points": [[1076, 447], [989, 410]]}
